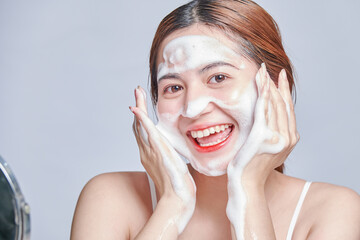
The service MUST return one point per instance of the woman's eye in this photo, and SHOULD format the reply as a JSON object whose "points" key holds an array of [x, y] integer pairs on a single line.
{"points": [[217, 78], [173, 89]]}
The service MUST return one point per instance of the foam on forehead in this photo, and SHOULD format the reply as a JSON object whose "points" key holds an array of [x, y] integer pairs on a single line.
{"points": [[189, 52]]}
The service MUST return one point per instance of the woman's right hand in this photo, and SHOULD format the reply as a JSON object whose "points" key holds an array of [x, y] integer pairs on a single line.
{"points": [[169, 172]]}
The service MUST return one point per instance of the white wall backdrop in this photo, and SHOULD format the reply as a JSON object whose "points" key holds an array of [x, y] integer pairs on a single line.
{"points": [[67, 73]]}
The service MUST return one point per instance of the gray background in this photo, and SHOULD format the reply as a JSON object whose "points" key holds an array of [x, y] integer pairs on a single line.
{"points": [[67, 73]]}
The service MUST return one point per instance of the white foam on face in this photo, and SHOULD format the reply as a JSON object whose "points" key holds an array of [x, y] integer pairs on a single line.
{"points": [[258, 142], [190, 52], [175, 168], [242, 112]]}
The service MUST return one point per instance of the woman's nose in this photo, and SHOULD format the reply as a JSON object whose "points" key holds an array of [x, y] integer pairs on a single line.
{"points": [[197, 102]]}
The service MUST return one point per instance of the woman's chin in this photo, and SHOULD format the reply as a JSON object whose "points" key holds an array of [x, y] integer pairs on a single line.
{"points": [[214, 163], [211, 167]]}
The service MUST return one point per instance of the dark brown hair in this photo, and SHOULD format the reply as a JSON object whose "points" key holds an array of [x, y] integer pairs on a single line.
{"points": [[243, 21]]}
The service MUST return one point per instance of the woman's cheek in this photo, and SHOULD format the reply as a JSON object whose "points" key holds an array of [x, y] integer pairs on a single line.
{"points": [[229, 96], [169, 107]]}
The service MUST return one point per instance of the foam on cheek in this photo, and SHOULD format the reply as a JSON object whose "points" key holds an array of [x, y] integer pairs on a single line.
{"points": [[251, 141], [190, 52], [241, 111], [257, 143]]}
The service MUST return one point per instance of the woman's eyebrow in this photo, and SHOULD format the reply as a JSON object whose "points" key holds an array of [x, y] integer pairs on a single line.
{"points": [[204, 69], [169, 75], [216, 64]]}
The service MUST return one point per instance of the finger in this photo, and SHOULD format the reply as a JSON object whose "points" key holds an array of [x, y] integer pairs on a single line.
{"points": [[284, 87], [156, 141], [142, 137], [265, 93], [146, 123], [284, 90], [140, 97], [280, 111], [286, 94], [134, 125], [258, 82], [272, 112], [136, 129], [263, 74]]}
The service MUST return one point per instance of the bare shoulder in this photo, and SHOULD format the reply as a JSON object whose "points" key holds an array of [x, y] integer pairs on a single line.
{"points": [[335, 212], [331, 199], [108, 204]]}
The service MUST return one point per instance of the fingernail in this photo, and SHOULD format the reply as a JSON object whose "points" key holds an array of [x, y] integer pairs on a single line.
{"points": [[283, 73]]}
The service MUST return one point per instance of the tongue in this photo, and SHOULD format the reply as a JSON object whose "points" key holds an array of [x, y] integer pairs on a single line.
{"points": [[214, 137]]}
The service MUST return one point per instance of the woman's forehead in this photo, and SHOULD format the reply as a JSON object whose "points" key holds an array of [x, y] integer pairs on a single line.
{"points": [[198, 30], [193, 52], [196, 47]]}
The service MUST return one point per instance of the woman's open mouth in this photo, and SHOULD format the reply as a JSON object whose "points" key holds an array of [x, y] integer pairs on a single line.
{"points": [[212, 138]]}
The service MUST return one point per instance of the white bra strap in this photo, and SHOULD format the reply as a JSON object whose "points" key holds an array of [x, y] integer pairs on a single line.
{"points": [[297, 210], [152, 192]]}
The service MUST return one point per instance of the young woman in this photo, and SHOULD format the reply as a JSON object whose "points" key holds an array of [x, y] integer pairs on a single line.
{"points": [[221, 83]]}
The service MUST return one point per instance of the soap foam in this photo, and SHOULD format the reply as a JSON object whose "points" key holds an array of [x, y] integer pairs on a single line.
{"points": [[256, 143], [191, 52], [175, 167], [188, 53], [242, 112]]}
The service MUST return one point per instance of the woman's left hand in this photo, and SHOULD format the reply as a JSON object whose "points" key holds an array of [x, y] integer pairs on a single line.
{"points": [[272, 138], [273, 135]]}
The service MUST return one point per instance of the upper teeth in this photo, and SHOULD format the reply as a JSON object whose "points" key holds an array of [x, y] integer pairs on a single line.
{"points": [[206, 132]]}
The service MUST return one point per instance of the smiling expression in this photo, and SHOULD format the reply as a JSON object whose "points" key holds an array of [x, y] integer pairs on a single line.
{"points": [[206, 97]]}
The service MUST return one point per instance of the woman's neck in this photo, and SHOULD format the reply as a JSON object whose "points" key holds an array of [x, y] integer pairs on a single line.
{"points": [[211, 192], [212, 195]]}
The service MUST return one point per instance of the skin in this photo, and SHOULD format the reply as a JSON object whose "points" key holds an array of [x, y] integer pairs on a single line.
{"points": [[230, 96], [118, 205]]}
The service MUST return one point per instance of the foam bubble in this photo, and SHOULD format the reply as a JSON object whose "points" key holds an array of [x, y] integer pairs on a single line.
{"points": [[242, 112], [246, 108], [192, 51], [189, 53]]}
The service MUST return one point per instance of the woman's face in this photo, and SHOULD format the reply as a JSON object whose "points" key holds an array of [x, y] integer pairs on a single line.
{"points": [[206, 96]]}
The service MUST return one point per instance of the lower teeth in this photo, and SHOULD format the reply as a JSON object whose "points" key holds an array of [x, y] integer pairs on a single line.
{"points": [[213, 143]]}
